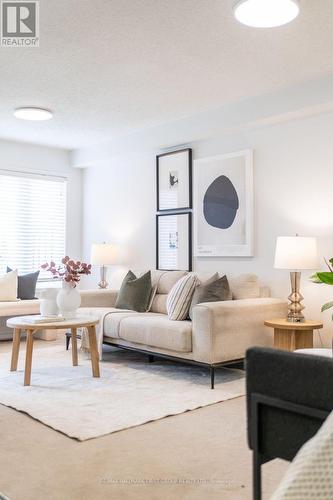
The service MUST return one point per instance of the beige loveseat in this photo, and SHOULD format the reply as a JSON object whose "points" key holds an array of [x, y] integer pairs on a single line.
{"points": [[220, 332]]}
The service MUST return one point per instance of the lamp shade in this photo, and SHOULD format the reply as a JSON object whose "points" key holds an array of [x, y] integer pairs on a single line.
{"points": [[103, 254], [296, 253]]}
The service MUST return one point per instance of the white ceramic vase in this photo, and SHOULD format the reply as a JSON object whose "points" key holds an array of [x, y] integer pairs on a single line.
{"points": [[68, 300], [48, 302]]}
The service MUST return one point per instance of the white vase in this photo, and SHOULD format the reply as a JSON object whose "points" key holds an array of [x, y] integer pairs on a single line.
{"points": [[68, 300], [48, 302]]}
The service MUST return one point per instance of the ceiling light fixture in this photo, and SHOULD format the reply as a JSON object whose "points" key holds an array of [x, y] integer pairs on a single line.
{"points": [[266, 13], [32, 113]]}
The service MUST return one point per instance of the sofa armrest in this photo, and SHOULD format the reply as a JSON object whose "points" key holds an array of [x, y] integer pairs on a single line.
{"points": [[223, 331], [98, 298]]}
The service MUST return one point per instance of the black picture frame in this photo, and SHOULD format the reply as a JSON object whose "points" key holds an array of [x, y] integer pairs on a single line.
{"points": [[188, 267], [190, 181]]}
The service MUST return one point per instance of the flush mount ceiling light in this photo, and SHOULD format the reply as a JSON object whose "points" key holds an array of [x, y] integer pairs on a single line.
{"points": [[266, 13], [31, 113]]}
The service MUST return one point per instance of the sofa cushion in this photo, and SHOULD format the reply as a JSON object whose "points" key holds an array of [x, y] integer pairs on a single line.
{"points": [[167, 279], [19, 308], [159, 303], [180, 296], [112, 321], [245, 286], [157, 330], [164, 281]]}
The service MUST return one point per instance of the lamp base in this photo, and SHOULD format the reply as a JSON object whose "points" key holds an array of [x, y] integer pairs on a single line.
{"points": [[103, 283], [292, 319], [295, 307]]}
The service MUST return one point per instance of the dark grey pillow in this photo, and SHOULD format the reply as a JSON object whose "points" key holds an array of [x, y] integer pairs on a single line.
{"points": [[26, 288], [134, 293], [213, 290]]}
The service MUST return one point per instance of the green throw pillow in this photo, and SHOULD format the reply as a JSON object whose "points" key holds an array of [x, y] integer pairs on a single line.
{"points": [[213, 290], [134, 293]]}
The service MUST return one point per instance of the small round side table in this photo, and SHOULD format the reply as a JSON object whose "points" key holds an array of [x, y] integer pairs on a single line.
{"points": [[291, 336]]}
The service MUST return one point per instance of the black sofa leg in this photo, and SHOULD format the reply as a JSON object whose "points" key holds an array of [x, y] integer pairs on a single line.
{"points": [[68, 339], [212, 377], [151, 358]]}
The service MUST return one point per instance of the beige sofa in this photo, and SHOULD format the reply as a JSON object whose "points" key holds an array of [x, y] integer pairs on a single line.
{"points": [[17, 308], [220, 332]]}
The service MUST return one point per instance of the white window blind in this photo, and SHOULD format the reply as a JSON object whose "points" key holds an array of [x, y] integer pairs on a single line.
{"points": [[32, 221]]}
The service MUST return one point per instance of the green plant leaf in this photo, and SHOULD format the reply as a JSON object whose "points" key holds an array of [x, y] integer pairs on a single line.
{"points": [[314, 278], [326, 306], [326, 278]]}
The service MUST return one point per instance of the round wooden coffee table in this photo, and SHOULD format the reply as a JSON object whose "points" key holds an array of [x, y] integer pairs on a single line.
{"points": [[25, 323]]}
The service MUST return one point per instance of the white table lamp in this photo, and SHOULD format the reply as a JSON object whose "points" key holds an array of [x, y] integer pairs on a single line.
{"points": [[296, 253], [103, 254]]}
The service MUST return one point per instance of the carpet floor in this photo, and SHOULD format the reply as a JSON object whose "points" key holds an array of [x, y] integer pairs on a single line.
{"points": [[194, 455]]}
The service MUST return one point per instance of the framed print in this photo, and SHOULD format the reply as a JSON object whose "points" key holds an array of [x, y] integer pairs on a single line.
{"points": [[224, 205], [174, 180], [174, 242]]}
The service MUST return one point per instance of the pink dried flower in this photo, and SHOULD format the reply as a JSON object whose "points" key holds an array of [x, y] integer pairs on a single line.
{"points": [[70, 271]]}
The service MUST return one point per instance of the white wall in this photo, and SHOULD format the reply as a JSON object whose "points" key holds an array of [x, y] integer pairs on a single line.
{"points": [[40, 159], [293, 179]]}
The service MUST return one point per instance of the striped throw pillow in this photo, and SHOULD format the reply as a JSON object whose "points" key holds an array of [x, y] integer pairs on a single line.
{"points": [[180, 296]]}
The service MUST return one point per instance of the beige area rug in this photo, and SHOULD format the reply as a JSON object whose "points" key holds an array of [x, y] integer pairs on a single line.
{"points": [[130, 391]]}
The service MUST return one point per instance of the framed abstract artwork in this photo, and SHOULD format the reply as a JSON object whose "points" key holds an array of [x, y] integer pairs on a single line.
{"points": [[223, 193], [174, 242], [174, 180]]}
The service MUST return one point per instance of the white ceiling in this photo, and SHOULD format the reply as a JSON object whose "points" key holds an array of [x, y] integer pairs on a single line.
{"points": [[108, 67]]}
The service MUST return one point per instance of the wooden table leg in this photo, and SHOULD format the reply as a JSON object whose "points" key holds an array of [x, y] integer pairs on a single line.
{"points": [[93, 351], [74, 347], [290, 340], [15, 349], [28, 357], [304, 339]]}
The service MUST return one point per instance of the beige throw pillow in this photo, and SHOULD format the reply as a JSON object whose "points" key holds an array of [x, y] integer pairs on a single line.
{"points": [[180, 296], [8, 287]]}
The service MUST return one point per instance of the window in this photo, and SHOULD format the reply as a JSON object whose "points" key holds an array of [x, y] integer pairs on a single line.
{"points": [[32, 221]]}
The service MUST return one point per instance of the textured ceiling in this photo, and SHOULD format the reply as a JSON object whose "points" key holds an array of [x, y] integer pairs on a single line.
{"points": [[108, 67]]}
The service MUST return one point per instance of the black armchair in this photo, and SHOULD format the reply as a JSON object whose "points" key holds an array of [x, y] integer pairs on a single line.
{"points": [[289, 396]]}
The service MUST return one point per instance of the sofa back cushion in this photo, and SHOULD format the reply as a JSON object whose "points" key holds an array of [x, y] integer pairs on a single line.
{"points": [[245, 286], [159, 303], [180, 296], [163, 281], [167, 279]]}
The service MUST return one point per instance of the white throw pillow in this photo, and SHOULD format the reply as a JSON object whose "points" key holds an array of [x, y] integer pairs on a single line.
{"points": [[8, 287], [180, 296]]}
